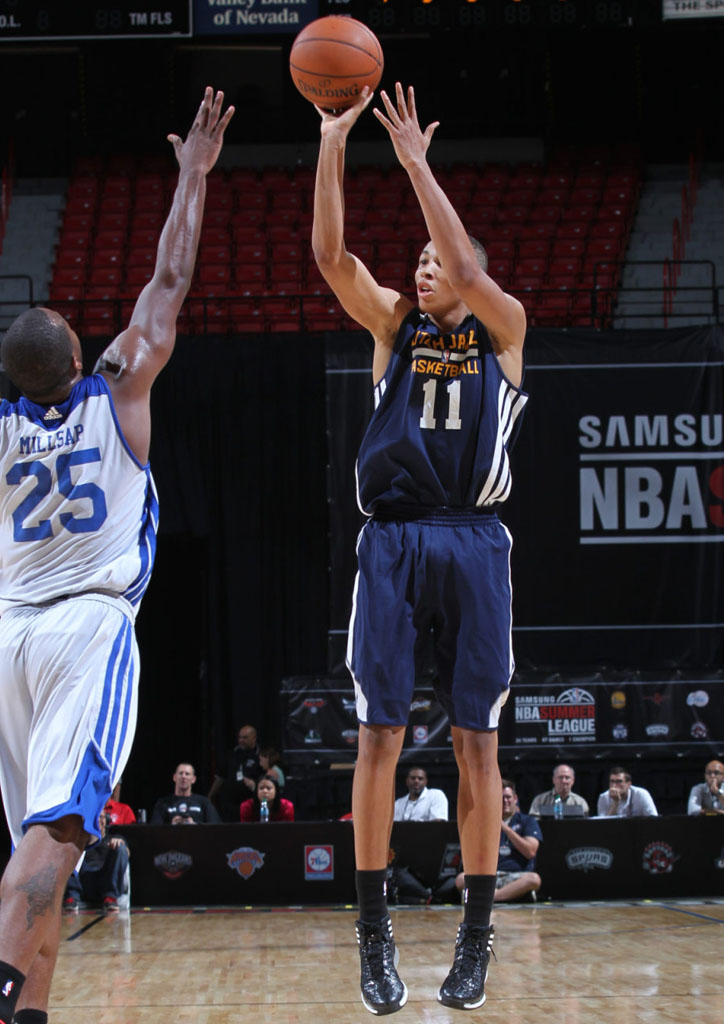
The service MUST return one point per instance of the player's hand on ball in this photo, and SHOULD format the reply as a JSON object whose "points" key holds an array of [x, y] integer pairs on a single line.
{"points": [[340, 123]]}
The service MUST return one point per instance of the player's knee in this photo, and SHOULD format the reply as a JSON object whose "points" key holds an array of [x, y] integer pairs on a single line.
{"points": [[477, 751], [379, 741], [67, 830], [534, 881]]}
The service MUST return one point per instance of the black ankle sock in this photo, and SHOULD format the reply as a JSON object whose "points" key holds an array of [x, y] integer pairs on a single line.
{"points": [[11, 981], [478, 899], [30, 1017], [372, 895]]}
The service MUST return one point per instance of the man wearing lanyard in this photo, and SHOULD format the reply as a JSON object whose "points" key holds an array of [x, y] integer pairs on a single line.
{"points": [[421, 803]]}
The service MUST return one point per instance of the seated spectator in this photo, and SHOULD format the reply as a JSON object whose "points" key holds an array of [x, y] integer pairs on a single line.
{"points": [[564, 778], [279, 808], [269, 759], [707, 797], [240, 775], [116, 812], [183, 806], [101, 877], [421, 803], [520, 838], [622, 800]]}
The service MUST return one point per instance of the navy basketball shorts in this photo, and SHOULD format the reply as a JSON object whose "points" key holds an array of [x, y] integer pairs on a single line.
{"points": [[448, 579]]}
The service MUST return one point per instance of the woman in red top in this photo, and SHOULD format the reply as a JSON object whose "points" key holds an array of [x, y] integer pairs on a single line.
{"points": [[279, 808]]}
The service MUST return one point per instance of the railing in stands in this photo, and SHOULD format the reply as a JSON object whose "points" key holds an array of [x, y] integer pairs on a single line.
{"points": [[680, 235], [13, 306], [6, 191], [698, 301], [571, 307]]}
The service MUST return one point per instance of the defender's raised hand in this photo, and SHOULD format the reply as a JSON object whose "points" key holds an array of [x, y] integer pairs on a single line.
{"points": [[410, 142], [206, 135]]}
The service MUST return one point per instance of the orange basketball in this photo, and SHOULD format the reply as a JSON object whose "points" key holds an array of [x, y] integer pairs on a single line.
{"points": [[333, 59]]}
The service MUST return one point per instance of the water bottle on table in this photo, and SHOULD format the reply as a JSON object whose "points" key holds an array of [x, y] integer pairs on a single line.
{"points": [[558, 808], [264, 812]]}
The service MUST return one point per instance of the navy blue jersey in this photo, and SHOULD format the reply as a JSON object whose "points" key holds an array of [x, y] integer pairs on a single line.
{"points": [[510, 859], [445, 417]]}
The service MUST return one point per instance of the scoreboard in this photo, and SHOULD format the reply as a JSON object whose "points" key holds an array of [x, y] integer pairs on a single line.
{"points": [[433, 15], [24, 20], [136, 19]]}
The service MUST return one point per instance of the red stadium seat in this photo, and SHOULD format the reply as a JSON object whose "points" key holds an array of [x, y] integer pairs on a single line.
{"points": [[145, 257], [72, 259], [215, 253], [533, 248], [65, 277]]}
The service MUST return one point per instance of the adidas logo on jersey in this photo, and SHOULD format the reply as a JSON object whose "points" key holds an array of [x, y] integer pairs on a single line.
{"points": [[53, 414]]}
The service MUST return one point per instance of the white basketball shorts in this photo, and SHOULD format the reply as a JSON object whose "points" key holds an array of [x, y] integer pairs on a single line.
{"points": [[68, 693]]}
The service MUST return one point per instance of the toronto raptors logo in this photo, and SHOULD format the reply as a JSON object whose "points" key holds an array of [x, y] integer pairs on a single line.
{"points": [[659, 858]]}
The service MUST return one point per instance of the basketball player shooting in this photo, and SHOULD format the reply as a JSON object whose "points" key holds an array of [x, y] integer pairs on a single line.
{"points": [[434, 559], [78, 516]]}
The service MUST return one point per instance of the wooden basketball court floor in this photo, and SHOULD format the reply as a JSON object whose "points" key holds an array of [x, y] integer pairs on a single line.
{"points": [[615, 963]]}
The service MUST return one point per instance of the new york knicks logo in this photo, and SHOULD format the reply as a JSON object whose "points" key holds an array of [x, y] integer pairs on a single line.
{"points": [[245, 861]]}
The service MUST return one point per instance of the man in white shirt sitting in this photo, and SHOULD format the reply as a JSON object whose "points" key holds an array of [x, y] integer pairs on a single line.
{"points": [[421, 803], [708, 797], [623, 800]]}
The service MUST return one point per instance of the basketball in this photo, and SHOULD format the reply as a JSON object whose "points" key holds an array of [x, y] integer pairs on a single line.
{"points": [[333, 59]]}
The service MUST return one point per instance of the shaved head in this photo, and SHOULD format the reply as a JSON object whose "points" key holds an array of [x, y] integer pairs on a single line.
{"points": [[37, 352]]}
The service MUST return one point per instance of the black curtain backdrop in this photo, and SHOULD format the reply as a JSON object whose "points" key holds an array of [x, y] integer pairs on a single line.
{"points": [[616, 506], [238, 598]]}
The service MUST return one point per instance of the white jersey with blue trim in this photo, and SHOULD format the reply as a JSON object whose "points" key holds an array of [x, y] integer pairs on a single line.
{"points": [[78, 511], [445, 419]]}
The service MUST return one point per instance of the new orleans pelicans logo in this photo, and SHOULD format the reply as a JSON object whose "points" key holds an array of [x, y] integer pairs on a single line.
{"points": [[245, 861], [172, 864]]}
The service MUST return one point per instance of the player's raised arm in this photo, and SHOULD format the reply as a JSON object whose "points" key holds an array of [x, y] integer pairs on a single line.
{"points": [[379, 309], [132, 362], [502, 314]]}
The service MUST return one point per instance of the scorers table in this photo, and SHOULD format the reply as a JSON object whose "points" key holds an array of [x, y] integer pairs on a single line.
{"points": [[313, 862]]}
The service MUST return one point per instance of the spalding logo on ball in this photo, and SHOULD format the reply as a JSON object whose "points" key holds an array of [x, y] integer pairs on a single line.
{"points": [[333, 59]]}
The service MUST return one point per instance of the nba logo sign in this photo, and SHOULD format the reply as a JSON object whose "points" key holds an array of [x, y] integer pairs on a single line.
{"points": [[318, 863]]}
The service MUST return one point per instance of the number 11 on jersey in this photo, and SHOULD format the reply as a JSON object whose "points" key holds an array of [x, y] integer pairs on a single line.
{"points": [[452, 421]]}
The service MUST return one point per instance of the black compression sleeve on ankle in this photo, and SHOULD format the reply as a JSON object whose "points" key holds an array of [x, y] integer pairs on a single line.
{"points": [[478, 899], [11, 981], [372, 895], [30, 1017]]}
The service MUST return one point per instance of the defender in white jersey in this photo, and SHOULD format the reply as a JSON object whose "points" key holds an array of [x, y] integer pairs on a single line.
{"points": [[78, 517], [433, 558]]}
